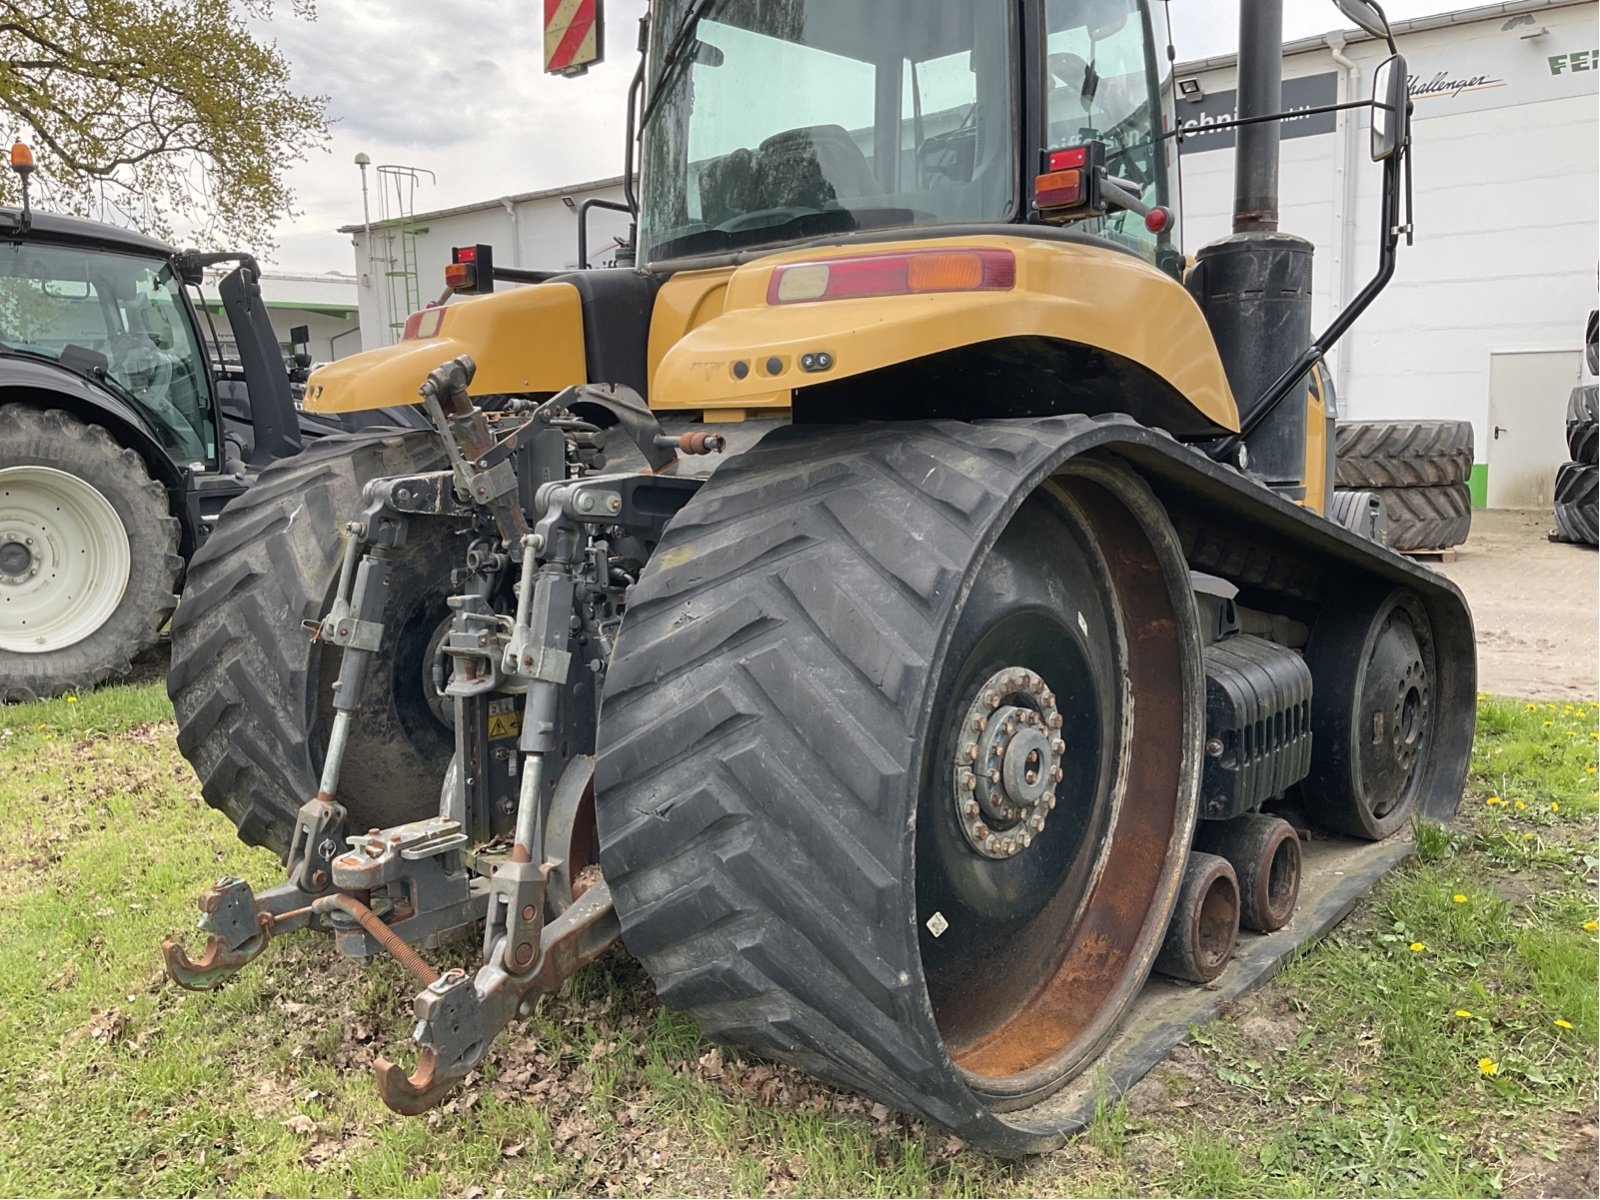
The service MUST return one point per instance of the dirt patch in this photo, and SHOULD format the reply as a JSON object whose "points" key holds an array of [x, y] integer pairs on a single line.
{"points": [[1572, 1173], [1533, 601]]}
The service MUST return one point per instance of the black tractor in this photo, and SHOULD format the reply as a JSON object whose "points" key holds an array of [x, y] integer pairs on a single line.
{"points": [[123, 434]]}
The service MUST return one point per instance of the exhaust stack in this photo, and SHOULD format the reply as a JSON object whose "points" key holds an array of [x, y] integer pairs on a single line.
{"points": [[1255, 171], [1255, 286]]}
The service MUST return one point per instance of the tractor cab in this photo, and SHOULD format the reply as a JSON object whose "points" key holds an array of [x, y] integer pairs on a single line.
{"points": [[119, 320], [788, 122]]}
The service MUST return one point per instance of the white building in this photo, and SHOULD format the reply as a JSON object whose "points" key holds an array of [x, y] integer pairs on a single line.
{"points": [[1484, 318]]}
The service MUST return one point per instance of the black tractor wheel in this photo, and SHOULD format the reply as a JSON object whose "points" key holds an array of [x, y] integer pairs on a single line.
{"points": [[253, 692], [1394, 454], [1426, 518], [1373, 716], [1577, 505], [1583, 405], [89, 559], [898, 763], [1582, 443]]}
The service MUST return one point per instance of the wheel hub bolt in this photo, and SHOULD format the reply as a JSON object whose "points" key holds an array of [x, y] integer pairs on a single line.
{"points": [[1003, 778]]}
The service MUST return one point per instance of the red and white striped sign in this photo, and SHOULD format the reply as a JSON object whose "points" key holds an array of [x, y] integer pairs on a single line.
{"points": [[572, 35]]}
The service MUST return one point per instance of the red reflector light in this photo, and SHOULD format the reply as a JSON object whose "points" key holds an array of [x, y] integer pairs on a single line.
{"points": [[466, 254], [914, 272], [1062, 160], [424, 324], [1059, 189]]}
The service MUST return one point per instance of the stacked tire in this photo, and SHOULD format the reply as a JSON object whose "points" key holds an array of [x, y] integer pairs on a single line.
{"points": [[1419, 469], [1577, 498]]}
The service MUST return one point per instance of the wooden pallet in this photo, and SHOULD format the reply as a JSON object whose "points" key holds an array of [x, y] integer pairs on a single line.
{"points": [[1438, 556]]}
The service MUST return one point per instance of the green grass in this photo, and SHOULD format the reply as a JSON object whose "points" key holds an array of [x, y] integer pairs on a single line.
{"points": [[1351, 1075]]}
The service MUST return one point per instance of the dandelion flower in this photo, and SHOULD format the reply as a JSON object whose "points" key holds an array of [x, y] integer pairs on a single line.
{"points": [[1555, 806], [1520, 805], [1488, 1066], [1493, 800], [1590, 769], [72, 699], [1533, 708], [1462, 1012], [1563, 1023], [1547, 724], [1591, 926], [1459, 898], [1418, 947]]}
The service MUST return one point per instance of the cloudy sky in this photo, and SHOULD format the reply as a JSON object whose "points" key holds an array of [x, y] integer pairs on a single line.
{"points": [[458, 89]]}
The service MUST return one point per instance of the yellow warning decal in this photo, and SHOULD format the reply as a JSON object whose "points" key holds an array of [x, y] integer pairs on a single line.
{"points": [[504, 720]]}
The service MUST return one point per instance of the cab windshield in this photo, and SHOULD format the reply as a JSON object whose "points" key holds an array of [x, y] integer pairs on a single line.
{"points": [[778, 120], [118, 319]]}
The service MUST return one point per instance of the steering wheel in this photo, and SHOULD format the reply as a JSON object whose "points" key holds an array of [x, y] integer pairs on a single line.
{"points": [[761, 218], [142, 367]]}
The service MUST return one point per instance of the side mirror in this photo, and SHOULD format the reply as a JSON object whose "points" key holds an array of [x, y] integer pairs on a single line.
{"points": [[1366, 16], [1391, 108]]}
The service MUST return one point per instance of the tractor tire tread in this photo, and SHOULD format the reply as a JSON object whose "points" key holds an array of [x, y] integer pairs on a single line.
{"points": [[1394, 454], [1427, 518], [238, 681], [1577, 503], [757, 722]]}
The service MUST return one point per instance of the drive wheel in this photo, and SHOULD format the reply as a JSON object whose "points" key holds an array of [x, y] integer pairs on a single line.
{"points": [[88, 554], [1373, 717], [253, 693], [898, 764]]}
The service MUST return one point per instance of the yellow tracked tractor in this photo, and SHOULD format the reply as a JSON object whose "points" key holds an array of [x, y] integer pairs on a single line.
{"points": [[904, 608]]}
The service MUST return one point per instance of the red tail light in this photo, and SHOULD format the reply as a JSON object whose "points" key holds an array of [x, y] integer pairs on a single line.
{"points": [[911, 272]]}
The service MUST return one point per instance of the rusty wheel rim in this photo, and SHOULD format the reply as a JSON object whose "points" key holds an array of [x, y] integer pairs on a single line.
{"points": [[1017, 1032]]}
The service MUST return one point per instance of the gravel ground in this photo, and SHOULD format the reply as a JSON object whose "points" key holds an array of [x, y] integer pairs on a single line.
{"points": [[1534, 603]]}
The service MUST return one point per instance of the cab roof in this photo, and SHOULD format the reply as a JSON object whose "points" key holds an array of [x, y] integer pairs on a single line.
{"points": [[51, 227]]}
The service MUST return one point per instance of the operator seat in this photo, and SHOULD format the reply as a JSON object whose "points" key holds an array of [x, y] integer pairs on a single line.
{"points": [[826, 152]]}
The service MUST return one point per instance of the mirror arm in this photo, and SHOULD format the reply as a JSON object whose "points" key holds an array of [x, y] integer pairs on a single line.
{"points": [[1180, 132], [1314, 353]]}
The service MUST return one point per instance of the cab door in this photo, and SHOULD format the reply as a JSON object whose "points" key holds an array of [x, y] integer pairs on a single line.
{"points": [[1105, 75]]}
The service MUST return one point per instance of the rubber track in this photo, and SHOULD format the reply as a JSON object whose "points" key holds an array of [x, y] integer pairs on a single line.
{"points": [[1577, 505], [1427, 518], [240, 656], [758, 739], [1393, 454]]}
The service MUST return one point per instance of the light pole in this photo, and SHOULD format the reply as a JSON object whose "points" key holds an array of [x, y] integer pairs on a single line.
{"points": [[364, 161]]}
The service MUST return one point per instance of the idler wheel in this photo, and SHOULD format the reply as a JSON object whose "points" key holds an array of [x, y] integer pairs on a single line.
{"points": [[1265, 855], [1205, 925]]}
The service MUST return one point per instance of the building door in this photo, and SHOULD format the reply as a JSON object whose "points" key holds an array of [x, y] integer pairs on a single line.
{"points": [[1528, 393]]}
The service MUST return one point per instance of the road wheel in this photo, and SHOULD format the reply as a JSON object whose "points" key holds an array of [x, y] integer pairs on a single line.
{"points": [[253, 693], [897, 763], [1576, 504], [1393, 454], [1373, 716], [88, 554], [1426, 518]]}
